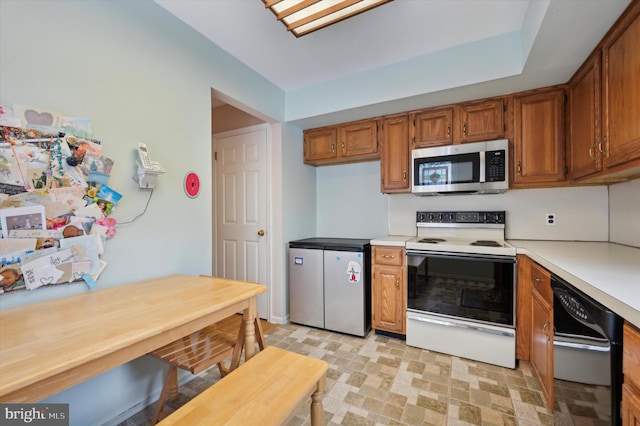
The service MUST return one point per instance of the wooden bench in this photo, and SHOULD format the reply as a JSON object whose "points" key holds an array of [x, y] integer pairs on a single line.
{"points": [[266, 390]]}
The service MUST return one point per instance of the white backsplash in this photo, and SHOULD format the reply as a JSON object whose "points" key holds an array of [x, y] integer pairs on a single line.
{"points": [[624, 213], [582, 213]]}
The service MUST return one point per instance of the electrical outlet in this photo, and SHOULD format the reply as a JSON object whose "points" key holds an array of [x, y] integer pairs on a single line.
{"points": [[550, 219]]}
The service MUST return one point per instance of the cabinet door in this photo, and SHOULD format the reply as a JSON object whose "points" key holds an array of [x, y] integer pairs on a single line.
{"points": [[542, 328], [320, 144], [621, 91], [359, 139], [542, 344], [388, 299], [630, 408], [538, 138], [432, 127], [523, 308], [481, 121], [394, 162], [583, 119]]}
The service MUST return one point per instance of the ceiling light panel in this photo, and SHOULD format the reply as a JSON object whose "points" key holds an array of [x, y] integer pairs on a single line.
{"points": [[305, 16]]}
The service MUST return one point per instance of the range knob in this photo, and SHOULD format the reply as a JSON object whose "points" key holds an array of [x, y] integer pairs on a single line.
{"points": [[451, 217], [440, 217], [432, 217]]}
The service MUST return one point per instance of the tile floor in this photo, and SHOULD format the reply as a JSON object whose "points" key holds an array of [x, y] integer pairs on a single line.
{"points": [[380, 380]]}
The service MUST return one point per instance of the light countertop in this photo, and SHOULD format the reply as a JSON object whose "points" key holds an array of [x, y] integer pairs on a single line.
{"points": [[608, 272], [391, 240]]}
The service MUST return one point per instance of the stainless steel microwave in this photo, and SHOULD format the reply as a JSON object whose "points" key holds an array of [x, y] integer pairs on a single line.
{"points": [[470, 168]]}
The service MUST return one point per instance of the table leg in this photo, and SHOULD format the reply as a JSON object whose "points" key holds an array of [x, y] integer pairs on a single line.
{"points": [[249, 317], [316, 402]]}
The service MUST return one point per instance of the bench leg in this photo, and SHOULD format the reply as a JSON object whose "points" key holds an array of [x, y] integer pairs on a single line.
{"points": [[316, 402], [169, 391]]}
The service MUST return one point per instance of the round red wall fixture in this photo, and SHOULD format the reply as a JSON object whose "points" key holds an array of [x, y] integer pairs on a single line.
{"points": [[192, 184]]}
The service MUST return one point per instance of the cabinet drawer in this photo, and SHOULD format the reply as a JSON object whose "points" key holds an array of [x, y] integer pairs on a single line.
{"points": [[631, 354], [384, 255], [541, 281]]}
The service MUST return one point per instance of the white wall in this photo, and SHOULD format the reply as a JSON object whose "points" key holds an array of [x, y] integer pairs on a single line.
{"points": [[624, 206], [349, 201], [581, 212], [140, 75]]}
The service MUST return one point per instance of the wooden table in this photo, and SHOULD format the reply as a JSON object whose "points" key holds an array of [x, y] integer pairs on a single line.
{"points": [[51, 346]]}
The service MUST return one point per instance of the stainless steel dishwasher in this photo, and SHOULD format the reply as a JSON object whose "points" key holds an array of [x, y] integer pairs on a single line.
{"points": [[330, 284]]}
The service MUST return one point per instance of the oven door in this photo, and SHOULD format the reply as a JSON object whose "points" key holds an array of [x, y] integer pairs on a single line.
{"points": [[473, 287], [462, 305]]}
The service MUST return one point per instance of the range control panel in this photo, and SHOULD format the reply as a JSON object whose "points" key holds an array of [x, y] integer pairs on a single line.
{"points": [[492, 217]]}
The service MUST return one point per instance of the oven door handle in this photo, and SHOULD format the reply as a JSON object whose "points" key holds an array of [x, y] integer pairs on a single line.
{"points": [[507, 333]]}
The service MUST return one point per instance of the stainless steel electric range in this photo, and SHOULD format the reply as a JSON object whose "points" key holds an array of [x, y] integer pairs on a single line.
{"points": [[461, 286]]}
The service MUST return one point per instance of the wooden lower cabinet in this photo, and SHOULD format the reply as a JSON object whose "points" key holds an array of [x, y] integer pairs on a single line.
{"points": [[542, 343], [630, 409], [534, 322], [389, 289], [523, 307]]}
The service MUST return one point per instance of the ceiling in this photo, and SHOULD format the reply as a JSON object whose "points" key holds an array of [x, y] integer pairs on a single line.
{"points": [[398, 32]]}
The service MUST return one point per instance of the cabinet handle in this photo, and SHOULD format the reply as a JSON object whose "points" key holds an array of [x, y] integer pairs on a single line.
{"points": [[464, 129], [397, 283], [386, 256], [333, 147], [537, 279], [449, 130], [544, 330], [519, 165], [603, 141], [404, 175], [591, 153], [342, 146]]}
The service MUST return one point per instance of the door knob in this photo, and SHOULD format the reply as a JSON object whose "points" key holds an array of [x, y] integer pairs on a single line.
{"points": [[261, 232]]}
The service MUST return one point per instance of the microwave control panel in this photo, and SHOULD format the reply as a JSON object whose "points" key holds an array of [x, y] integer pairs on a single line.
{"points": [[496, 167]]}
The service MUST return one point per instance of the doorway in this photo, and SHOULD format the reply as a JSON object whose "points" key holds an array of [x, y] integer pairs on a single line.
{"points": [[241, 199]]}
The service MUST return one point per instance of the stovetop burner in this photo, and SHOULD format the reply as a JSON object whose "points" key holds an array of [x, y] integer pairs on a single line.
{"points": [[486, 243], [432, 240]]}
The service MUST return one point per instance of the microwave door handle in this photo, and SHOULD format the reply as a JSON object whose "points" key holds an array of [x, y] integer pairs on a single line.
{"points": [[483, 165]]}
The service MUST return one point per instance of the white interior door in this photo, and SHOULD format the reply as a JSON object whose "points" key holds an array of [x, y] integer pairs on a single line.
{"points": [[241, 212]]}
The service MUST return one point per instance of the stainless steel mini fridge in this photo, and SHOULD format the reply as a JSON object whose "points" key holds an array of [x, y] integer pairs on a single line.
{"points": [[330, 284]]}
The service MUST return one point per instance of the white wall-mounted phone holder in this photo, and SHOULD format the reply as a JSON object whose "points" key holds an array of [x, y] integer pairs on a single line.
{"points": [[148, 170]]}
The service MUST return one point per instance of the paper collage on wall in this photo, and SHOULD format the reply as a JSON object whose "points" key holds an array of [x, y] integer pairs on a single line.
{"points": [[55, 200]]}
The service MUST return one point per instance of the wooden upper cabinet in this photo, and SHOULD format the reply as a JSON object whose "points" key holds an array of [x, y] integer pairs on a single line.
{"points": [[621, 91], [538, 143], [344, 143], [584, 140], [359, 139], [395, 168], [320, 144], [472, 121], [481, 120], [431, 127]]}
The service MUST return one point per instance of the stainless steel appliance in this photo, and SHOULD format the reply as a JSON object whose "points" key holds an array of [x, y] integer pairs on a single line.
{"points": [[470, 168], [587, 342], [330, 284], [461, 286]]}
